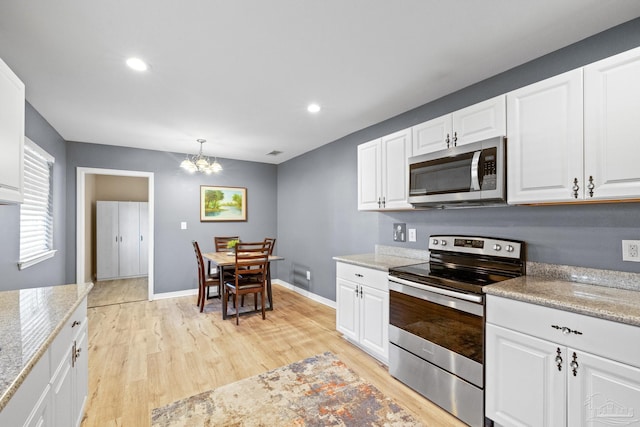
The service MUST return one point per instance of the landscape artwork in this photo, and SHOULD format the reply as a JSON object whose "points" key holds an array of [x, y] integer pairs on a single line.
{"points": [[223, 203]]}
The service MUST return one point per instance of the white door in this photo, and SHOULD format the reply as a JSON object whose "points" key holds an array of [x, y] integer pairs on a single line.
{"points": [[374, 321], [612, 126], [432, 135], [396, 150], [369, 175], [107, 240], [144, 238], [523, 384], [545, 140], [129, 250], [480, 121], [603, 392], [347, 309]]}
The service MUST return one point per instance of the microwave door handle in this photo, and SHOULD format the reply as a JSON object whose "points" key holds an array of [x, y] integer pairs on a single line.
{"points": [[475, 163]]}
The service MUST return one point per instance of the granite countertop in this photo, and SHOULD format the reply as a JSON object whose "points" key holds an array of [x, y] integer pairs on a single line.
{"points": [[377, 261], [29, 321], [618, 305]]}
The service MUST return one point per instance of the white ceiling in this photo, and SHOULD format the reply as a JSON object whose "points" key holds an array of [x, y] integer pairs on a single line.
{"points": [[239, 73]]}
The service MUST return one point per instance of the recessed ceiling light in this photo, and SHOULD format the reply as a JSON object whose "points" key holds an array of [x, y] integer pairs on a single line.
{"points": [[313, 108], [137, 64]]}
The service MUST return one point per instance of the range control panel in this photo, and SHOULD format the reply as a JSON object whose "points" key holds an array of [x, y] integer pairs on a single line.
{"points": [[477, 245]]}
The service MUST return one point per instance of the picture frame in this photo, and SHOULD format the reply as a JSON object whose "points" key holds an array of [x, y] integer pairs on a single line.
{"points": [[223, 203]]}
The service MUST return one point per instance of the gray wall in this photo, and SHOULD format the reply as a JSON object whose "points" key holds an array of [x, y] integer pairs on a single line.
{"points": [[177, 198], [51, 271], [318, 217]]}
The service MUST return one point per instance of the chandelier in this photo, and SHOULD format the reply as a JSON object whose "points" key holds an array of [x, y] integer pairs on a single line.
{"points": [[201, 163]]}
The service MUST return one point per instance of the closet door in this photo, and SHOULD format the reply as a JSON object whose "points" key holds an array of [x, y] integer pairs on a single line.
{"points": [[144, 238], [129, 226], [107, 240]]}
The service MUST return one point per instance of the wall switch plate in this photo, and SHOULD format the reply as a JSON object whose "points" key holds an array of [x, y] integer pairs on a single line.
{"points": [[399, 232], [183, 225], [631, 250], [308, 275], [412, 234]]}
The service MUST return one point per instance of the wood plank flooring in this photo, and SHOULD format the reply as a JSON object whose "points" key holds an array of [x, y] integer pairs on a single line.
{"points": [[145, 354], [118, 291]]}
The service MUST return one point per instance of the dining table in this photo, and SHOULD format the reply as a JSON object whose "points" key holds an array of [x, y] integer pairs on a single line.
{"points": [[227, 259]]}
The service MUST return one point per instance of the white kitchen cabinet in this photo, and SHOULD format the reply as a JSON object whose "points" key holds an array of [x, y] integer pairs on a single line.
{"points": [[362, 308], [548, 367], [383, 172], [612, 128], [121, 240], [12, 109], [544, 140], [55, 391], [486, 119]]}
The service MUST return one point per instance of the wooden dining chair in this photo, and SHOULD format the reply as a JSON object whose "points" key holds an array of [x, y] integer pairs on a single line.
{"points": [[271, 241], [251, 261], [220, 242], [205, 281]]}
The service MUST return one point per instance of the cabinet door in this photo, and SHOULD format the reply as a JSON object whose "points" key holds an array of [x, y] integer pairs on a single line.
{"points": [[374, 322], [369, 175], [523, 384], [129, 249], [41, 414], [612, 109], [347, 309], [62, 392], [80, 376], [11, 135], [480, 121], [396, 150], [602, 392], [144, 238], [107, 240], [432, 135], [545, 140]]}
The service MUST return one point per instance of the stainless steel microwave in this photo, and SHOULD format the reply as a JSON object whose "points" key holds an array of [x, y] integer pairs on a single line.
{"points": [[467, 175]]}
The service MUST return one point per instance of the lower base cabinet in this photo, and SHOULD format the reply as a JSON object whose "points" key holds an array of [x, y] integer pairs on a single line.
{"points": [[55, 391], [362, 308], [542, 370]]}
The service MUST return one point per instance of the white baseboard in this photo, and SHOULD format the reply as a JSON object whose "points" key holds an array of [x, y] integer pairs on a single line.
{"points": [[305, 293], [176, 294]]}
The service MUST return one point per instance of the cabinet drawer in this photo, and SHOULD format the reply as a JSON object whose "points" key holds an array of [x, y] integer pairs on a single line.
{"points": [[598, 336], [367, 276], [63, 342]]}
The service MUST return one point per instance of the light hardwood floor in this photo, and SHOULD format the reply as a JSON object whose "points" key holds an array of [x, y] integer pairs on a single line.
{"points": [[118, 291], [145, 354]]}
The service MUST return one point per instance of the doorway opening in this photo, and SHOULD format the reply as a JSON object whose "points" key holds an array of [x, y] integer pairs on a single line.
{"points": [[94, 184]]}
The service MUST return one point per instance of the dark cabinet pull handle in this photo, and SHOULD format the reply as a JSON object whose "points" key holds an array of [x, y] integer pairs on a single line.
{"points": [[559, 359], [574, 364], [591, 186], [447, 140], [455, 139], [75, 323], [575, 188]]}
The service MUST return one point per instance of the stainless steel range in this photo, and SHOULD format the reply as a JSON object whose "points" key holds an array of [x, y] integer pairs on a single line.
{"points": [[436, 316]]}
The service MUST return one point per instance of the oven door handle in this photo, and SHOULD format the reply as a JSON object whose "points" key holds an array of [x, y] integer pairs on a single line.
{"points": [[433, 289]]}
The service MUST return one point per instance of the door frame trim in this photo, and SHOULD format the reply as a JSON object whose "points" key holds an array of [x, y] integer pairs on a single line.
{"points": [[81, 175]]}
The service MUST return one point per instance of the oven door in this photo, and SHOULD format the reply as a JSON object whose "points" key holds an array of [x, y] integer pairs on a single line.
{"points": [[441, 326]]}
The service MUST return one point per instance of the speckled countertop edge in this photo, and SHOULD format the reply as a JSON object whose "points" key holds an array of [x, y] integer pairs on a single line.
{"points": [[81, 291], [604, 302], [385, 257]]}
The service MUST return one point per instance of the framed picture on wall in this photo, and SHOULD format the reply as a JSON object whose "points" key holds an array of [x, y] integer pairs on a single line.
{"points": [[223, 203]]}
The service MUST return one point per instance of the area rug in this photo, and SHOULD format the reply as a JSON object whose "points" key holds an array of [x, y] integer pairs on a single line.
{"points": [[318, 391]]}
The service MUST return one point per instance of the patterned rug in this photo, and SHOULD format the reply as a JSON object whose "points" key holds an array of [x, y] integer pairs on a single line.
{"points": [[318, 391]]}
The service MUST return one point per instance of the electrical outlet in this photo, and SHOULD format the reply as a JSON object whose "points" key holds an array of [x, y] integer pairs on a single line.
{"points": [[631, 250], [412, 234], [308, 275]]}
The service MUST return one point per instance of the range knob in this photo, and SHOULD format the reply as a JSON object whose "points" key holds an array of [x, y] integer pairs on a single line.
{"points": [[435, 241], [509, 248], [443, 243], [497, 247]]}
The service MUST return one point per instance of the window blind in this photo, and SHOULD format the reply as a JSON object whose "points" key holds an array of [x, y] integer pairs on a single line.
{"points": [[36, 211]]}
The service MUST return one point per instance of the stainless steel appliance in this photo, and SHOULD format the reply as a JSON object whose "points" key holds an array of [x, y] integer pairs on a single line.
{"points": [[436, 316], [467, 175]]}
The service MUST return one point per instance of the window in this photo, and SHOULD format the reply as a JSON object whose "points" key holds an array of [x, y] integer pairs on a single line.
{"points": [[36, 211]]}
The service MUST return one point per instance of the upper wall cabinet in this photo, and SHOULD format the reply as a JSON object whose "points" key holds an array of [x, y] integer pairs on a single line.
{"points": [[11, 135], [612, 127], [474, 123], [544, 132], [383, 173], [554, 156]]}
